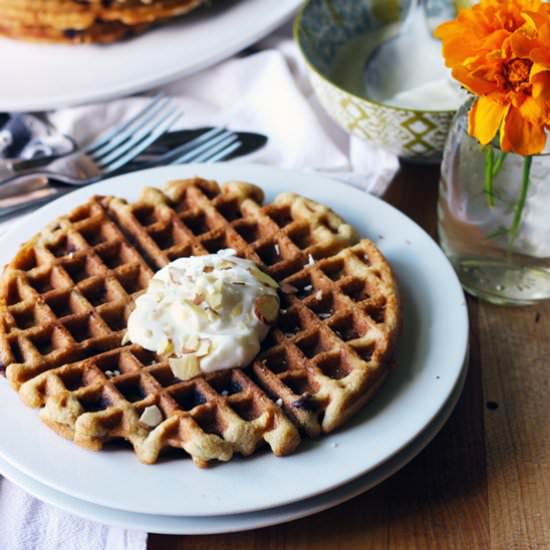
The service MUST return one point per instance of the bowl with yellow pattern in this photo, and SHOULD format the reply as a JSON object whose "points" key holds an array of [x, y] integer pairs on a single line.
{"points": [[330, 31]]}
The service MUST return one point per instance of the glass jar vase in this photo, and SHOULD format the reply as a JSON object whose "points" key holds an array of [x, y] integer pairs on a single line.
{"points": [[494, 218]]}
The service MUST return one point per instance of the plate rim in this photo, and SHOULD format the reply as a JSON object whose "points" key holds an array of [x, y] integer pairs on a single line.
{"points": [[284, 514], [233, 170]]}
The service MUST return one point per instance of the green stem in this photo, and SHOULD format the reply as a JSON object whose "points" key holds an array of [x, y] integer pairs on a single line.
{"points": [[498, 164], [488, 180], [520, 205]]}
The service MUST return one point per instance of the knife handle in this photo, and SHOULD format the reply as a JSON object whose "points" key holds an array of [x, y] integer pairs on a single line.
{"points": [[18, 204], [22, 184]]}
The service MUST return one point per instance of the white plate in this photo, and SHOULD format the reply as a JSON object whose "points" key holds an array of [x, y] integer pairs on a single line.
{"points": [[46, 76], [224, 524], [430, 356]]}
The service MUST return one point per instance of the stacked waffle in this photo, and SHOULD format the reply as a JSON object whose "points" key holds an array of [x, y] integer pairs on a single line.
{"points": [[66, 296], [85, 21]]}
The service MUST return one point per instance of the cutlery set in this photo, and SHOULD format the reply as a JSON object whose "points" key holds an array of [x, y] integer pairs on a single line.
{"points": [[143, 141]]}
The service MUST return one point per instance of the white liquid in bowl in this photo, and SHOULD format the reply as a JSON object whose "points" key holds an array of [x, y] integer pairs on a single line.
{"points": [[410, 84]]}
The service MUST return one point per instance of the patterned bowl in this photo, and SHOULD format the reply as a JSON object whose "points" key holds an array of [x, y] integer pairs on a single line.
{"points": [[321, 29]]}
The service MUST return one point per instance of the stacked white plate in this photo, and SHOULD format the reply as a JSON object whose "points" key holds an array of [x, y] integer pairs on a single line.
{"points": [[174, 496], [72, 75]]}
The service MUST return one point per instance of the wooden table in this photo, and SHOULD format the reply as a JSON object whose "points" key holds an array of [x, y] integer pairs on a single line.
{"points": [[484, 482]]}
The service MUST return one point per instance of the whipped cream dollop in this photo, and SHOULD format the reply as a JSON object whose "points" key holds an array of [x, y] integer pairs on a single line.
{"points": [[205, 313]]}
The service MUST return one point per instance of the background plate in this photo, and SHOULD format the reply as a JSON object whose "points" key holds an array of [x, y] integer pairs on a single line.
{"points": [[225, 524], [65, 75], [430, 355]]}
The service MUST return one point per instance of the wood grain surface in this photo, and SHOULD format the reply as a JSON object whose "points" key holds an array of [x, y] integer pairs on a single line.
{"points": [[484, 481]]}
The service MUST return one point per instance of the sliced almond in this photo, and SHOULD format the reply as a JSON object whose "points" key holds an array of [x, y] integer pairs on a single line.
{"points": [[185, 367], [266, 308], [204, 348], [263, 278], [167, 347], [173, 274], [156, 288], [215, 300], [227, 264], [190, 344], [151, 416], [237, 310], [197, 310], [198, 298]]}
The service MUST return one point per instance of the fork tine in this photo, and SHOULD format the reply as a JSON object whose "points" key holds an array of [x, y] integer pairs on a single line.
{"points": [[194, 154], [146, 122], [206, 154], [224, 153], [169, 156], [147, 138], [110, 134], [137, 136]]}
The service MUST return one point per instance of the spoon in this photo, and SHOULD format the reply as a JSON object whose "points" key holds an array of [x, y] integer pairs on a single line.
{"points": [[407, 61]]}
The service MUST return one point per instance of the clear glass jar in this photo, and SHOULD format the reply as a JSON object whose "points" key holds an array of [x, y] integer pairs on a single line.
{"points": [[499, 248]]}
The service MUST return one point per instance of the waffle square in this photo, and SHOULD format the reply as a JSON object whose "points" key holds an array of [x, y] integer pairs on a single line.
{"points": [[66, 296]]}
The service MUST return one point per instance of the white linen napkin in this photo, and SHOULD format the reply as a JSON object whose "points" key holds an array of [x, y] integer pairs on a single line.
{"points": [[266, 91], [29, 524]]}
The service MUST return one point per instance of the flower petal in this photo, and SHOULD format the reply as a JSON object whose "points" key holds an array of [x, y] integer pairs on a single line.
{"points": [[532, 110], [478, 86], [485, 118], [520, 135], [541, 86]]}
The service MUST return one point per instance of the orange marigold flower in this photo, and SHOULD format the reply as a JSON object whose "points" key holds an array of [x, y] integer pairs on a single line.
{"points": [[500, 51]]}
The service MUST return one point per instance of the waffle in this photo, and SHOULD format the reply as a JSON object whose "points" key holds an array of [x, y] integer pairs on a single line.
{"points": [[91, 21], [66, 296]]}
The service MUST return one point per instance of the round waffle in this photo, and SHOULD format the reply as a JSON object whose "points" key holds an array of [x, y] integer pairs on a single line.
{"points": [[66, 296], [91, 21]]}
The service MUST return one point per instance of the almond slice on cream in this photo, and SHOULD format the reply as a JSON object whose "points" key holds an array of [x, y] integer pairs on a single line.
{"points": [[266, 308], [167, 347], [264, 278], [191, 344], [204, 348], [185, 367], [215, 300]]}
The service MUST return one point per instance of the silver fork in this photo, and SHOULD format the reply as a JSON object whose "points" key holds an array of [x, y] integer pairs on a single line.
{"points": [[215, 145], [108, 154]]}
